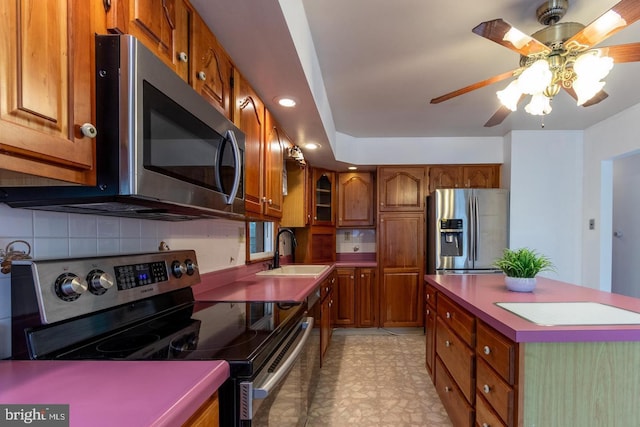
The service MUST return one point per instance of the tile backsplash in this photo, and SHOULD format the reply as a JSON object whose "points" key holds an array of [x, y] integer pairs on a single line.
{"points": [[219, 243], [355, 240]]}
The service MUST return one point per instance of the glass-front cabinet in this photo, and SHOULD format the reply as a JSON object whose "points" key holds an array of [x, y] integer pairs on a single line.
{"points": [[323, 197]]}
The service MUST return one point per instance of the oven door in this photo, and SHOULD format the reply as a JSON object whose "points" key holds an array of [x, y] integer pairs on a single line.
{"points": [[279, 394]]}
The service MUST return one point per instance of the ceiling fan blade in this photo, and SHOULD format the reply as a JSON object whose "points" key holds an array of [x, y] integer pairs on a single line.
{"points": [[596, 98], [502, 113], [622, 53], [498, 117], [474, 86], [623, 14], [510, 37]]}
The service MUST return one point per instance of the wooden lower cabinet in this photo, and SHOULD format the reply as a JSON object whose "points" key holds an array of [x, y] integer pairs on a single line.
{"points": [[326, 304], [459, 410], [208, 415], [430, 328], [316, 244], [354, 300]]}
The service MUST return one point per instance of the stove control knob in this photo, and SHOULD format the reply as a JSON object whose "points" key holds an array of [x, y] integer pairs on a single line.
{"points": [[178, 269], [69, 287], [191, 267], [99, 282]]}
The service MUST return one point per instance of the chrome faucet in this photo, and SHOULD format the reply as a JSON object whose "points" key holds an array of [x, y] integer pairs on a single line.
{"points": [[294, 243]]}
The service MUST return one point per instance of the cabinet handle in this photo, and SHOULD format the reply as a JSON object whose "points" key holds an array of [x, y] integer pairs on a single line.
{"points": [[362, 276], [202, 75], [350, 277], [88, 130], [270, 201], [447, 389], [486, 388], [486, 349], [183, 57], [428, 311], [485, 425], [448, 315], [447, 343], [428, 296]]}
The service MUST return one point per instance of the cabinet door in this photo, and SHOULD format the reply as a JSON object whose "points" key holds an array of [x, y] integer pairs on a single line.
{"points": [[402, 269], [480, 176], [46, 83], [444, 177], [365, 294], [275, 142], [402, 188], [161, 25], [430, 336], [355, 199], [344, 307], [323, 203], [211, 67], [325, 325], [249, 117], [295, 206]]}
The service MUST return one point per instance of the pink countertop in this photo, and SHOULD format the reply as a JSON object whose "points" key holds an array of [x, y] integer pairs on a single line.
{"points": [[245, 285], [479, 293], [114, 393]]}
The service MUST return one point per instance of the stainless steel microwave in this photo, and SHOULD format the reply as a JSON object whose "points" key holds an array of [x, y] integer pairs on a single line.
{"points": [[162, 151]]}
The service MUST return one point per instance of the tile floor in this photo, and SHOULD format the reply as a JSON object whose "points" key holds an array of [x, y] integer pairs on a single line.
{"points": [[376, 378]]}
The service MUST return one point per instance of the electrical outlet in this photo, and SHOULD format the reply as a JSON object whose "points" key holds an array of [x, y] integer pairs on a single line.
{"points": [[241, 234], [592, 224], [347, 236]]}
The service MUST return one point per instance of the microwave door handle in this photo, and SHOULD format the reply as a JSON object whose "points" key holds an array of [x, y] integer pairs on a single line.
{"points": [[238, 171], [261, 391]]}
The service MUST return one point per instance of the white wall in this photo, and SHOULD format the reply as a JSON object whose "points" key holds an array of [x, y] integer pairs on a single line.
{"points": [[545, 179], [219, 244], [603, 143]]}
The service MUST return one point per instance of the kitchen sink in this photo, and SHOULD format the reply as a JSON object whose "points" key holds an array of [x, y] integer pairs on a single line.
{"points": [[571, 313], [296, 270]]}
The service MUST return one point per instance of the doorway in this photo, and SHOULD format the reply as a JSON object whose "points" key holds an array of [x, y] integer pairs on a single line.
{"points": [[625, 247]]}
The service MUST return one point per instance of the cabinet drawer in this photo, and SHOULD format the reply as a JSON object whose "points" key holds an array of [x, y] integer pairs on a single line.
{"points": [[496, 391], [485, 417], [327, 286], [461, 322], [498, 351], [457, 357], [430, 296], [460, 412]]}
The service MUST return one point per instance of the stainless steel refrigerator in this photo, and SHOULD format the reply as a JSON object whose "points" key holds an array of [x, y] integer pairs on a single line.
{"points": [[467, 229]]}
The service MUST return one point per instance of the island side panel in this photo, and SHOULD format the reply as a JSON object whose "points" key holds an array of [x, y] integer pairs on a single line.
{"points": [[581, 384]]}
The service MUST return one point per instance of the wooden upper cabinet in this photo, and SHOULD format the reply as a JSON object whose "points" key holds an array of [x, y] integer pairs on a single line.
{"points": [[323, 193], [355, 199], [249, 117], [211, 67], [464, 176], [295, 210], [275, 143], [46, 88], [481, 176], [161, 25], [402, 188], [444, 177]]}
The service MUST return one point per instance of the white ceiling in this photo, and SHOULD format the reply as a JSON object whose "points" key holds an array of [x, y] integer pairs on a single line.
{"points": [[382, 61]]}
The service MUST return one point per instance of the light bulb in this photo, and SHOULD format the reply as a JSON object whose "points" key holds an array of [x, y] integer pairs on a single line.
{"points": [[540, 105], [510, 95], [535, 78]]}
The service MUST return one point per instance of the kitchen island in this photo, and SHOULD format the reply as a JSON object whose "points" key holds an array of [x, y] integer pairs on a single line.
{"points": [[491, 365]]}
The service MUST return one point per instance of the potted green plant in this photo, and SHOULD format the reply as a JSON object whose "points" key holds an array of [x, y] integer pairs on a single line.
{"points": [[521, 267]]}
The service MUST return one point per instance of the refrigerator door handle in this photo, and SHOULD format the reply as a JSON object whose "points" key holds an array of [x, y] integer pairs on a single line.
{"points": [[476, 228], [472, 243]]}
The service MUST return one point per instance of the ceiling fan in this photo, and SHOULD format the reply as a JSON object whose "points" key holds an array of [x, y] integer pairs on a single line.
{"points": [[561, 56]]}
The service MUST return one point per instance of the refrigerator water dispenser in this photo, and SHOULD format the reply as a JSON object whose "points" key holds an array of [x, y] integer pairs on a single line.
{"points": [[451, 237]]}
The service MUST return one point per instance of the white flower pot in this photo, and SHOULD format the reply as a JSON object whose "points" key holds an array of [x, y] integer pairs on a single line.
{"points": [[520, 284]]}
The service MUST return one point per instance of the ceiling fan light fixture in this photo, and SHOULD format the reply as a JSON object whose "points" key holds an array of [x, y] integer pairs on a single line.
{"points": [[535, 78], [540, 105], [591, 66], [586, 89], [510, 95]]}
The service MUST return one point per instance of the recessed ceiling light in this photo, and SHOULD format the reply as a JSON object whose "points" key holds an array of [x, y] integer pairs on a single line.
{"points": [[352, 168], [286, 101], [311, 146]]}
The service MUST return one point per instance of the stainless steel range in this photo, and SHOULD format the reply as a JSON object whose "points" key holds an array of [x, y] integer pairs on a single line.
{"points": [[141, 307]]}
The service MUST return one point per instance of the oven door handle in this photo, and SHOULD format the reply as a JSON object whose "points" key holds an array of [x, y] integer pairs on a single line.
{"points": [[261, 391]]}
